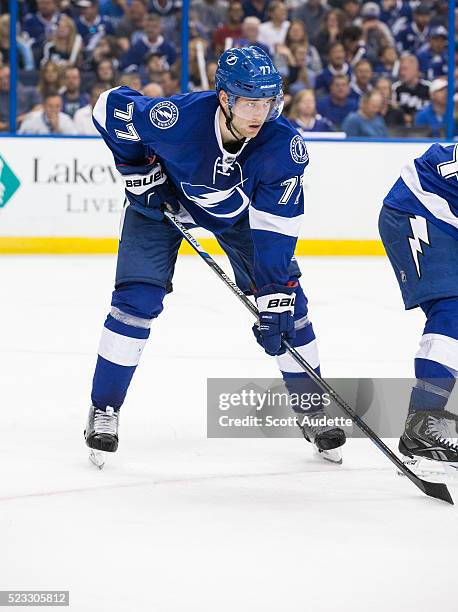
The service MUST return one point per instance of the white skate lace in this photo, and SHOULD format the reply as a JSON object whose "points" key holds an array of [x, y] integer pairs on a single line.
{"points": [[439, 430], [106, 422]]}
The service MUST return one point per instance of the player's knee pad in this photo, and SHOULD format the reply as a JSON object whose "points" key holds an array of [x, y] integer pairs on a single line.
{"points": [[141, 300], [127, 327], [439, 342]]}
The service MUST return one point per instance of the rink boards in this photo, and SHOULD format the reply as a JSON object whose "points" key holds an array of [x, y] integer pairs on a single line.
{"points": [[63, 195]]}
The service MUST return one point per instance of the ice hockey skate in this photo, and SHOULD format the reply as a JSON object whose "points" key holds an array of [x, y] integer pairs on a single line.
{"points": [[326, 439], [429, 444], [101, 434]]}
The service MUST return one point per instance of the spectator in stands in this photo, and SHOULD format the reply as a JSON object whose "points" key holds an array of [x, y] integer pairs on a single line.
{"points": [[351, 9], [196, 28], [106, 48], [376, 34], [91, 25], [361, 80], [299, 75], [211, 14], [132, 80], [354, 45], [25, 59], [392, 114], [367, 121], [338, 104], [72, 97], [50, 120], [336, 66], [170, 82], [415, 34], [153, 90], [256, 8], [151, 42], [211, 72], [411, 92], [26, 99], [169, 11], [285, 57], [231, 30], [250, 34], [133, 22], [395, 14], [65, 44], [152, 68], [297, 37], [311, 13], [113, 9], [303, 114], [330, 32], [432, 59], [388, 64], [50, 79], [82, 119], [105, 74], [39, 26], [273, 32], [433, 114]]}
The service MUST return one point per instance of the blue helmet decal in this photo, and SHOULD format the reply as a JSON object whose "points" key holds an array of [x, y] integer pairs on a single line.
{"points": [[249, 72]]}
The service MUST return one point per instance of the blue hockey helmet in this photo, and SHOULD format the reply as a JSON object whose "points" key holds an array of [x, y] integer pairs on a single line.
{"points": [[249, 73]]}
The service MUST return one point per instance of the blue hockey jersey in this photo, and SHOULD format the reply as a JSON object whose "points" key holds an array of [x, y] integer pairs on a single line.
{"points": [[263, 181], [428, 186]]}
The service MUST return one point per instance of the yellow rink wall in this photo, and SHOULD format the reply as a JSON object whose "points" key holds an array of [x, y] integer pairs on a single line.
{"points": [[100, 246], [63, 195]]}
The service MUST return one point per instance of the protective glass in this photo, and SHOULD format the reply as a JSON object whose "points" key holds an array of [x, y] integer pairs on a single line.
{"points": [[258, 110]]}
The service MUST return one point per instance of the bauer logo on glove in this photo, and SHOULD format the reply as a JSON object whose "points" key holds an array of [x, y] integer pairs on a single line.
{"points": [[276, 317], [148, 189]]}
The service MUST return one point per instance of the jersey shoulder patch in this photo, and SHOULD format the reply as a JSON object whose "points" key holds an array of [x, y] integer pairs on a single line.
{"points": [[164, 114], [298, 150]]}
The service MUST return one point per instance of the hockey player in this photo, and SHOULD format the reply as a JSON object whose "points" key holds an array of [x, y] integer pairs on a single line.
{"points": [[419, 228], [225, 161]]}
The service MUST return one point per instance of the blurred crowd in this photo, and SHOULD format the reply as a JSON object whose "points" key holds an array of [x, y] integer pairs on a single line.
{"points": [[369, 69]]}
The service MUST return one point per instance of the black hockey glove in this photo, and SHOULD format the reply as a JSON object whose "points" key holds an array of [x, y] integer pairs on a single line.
{"points": [[148, 189], [276, 317]]}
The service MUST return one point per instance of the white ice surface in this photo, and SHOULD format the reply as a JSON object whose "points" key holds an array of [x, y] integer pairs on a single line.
{"points": [[176, 522]]}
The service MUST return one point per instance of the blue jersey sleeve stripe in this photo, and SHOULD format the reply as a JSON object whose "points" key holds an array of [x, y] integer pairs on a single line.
{"points": [[288, 226]]}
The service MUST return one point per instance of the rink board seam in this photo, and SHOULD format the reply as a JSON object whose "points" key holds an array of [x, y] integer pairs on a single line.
{"points": [[44, 245]]}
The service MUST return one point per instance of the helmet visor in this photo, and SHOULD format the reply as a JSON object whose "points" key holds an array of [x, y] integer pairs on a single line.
{"points": [[258, 110]]}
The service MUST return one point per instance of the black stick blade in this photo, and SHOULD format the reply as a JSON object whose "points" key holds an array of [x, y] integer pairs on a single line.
{"points": [[436, 489]]}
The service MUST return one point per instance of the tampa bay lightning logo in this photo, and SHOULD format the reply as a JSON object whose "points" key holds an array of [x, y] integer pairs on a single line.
{"points": [[164, 114], [228, 200], [298, 150]]}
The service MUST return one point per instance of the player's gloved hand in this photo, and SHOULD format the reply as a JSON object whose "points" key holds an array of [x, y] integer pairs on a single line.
{"points": [[276, 317], [148, 189]]}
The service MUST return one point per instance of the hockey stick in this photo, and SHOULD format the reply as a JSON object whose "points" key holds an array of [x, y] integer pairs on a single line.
{"points": [[433, 489]]}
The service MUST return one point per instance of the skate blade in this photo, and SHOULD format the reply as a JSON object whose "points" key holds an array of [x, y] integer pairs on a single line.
{"points": [[97, 458], [436, 471], [334, 455]]}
